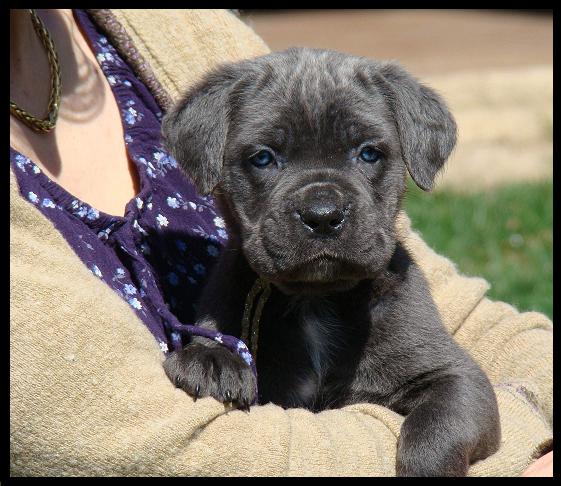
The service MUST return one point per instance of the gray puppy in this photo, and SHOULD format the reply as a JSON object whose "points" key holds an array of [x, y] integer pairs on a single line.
{"points": [[306, 152]]}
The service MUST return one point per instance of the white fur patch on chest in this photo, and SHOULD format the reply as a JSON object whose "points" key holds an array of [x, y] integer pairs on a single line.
{"points": [[321, 330]]}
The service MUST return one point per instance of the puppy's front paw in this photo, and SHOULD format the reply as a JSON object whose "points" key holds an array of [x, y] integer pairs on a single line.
{"points": [[431, 460], [212, 371]]}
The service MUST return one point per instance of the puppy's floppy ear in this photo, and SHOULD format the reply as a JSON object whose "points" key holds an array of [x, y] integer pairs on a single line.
{"points": [[195, 129], [427, 130]]}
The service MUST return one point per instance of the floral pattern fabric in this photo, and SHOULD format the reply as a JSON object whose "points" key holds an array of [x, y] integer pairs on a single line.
{"points": [[158, 255]]}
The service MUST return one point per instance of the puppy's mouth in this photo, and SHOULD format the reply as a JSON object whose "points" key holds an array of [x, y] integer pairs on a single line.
{"points": [[323, 267], [321, 274]]}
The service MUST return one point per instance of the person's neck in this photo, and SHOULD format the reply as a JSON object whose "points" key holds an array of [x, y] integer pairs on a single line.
{"points": [[29, 66], [30, 71]]}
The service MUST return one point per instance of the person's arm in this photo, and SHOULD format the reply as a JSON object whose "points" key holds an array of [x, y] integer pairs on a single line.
{"points": [[89, 395]]}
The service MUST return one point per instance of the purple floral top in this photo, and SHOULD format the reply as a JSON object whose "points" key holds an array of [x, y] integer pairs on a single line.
{"points": [[158, 255]]}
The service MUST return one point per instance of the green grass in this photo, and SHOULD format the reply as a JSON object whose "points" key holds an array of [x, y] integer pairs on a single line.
{"points": [[504, 235]]}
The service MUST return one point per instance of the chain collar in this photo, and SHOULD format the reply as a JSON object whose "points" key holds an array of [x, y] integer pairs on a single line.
{"points": [[250, 333], [48, 123]]}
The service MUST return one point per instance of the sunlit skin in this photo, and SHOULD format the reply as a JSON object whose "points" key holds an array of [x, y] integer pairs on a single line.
{"points": [[541, 468]]}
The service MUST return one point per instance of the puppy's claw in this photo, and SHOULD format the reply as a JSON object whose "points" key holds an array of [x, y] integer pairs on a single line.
{"points": [[197, 392], [243, 405], [228, 396]]}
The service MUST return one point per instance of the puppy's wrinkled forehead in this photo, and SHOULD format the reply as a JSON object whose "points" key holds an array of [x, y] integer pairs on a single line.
{"points": [[315, 97], [326, 100]]}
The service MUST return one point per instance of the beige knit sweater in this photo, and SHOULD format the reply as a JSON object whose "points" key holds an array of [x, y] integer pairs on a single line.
{"points": [[88, 395]]}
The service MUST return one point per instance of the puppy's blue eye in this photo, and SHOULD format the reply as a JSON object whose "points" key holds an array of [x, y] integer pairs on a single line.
{"points": [[369, 154], [262, 158]]}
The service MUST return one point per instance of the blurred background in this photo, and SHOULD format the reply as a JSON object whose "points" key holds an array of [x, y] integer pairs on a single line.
{"points": [[492, 209]]}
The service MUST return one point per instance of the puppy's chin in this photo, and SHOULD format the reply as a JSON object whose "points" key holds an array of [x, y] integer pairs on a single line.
{"points": [[315, 288], [319, 276]]}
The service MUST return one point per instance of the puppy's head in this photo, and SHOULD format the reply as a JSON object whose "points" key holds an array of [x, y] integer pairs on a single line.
{"points": [[307, 151]]}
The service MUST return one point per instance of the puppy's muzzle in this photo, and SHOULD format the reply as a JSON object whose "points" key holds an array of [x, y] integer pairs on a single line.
{"points": [[321, 211]]}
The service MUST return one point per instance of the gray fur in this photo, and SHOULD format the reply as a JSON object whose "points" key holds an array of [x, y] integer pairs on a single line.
{"points": [[350, 318]]}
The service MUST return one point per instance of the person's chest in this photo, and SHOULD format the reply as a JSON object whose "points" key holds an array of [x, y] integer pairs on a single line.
{"points": [[86, 154]]}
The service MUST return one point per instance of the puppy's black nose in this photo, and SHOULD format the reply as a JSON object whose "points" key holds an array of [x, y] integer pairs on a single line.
{"points": [[323, 218]]}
